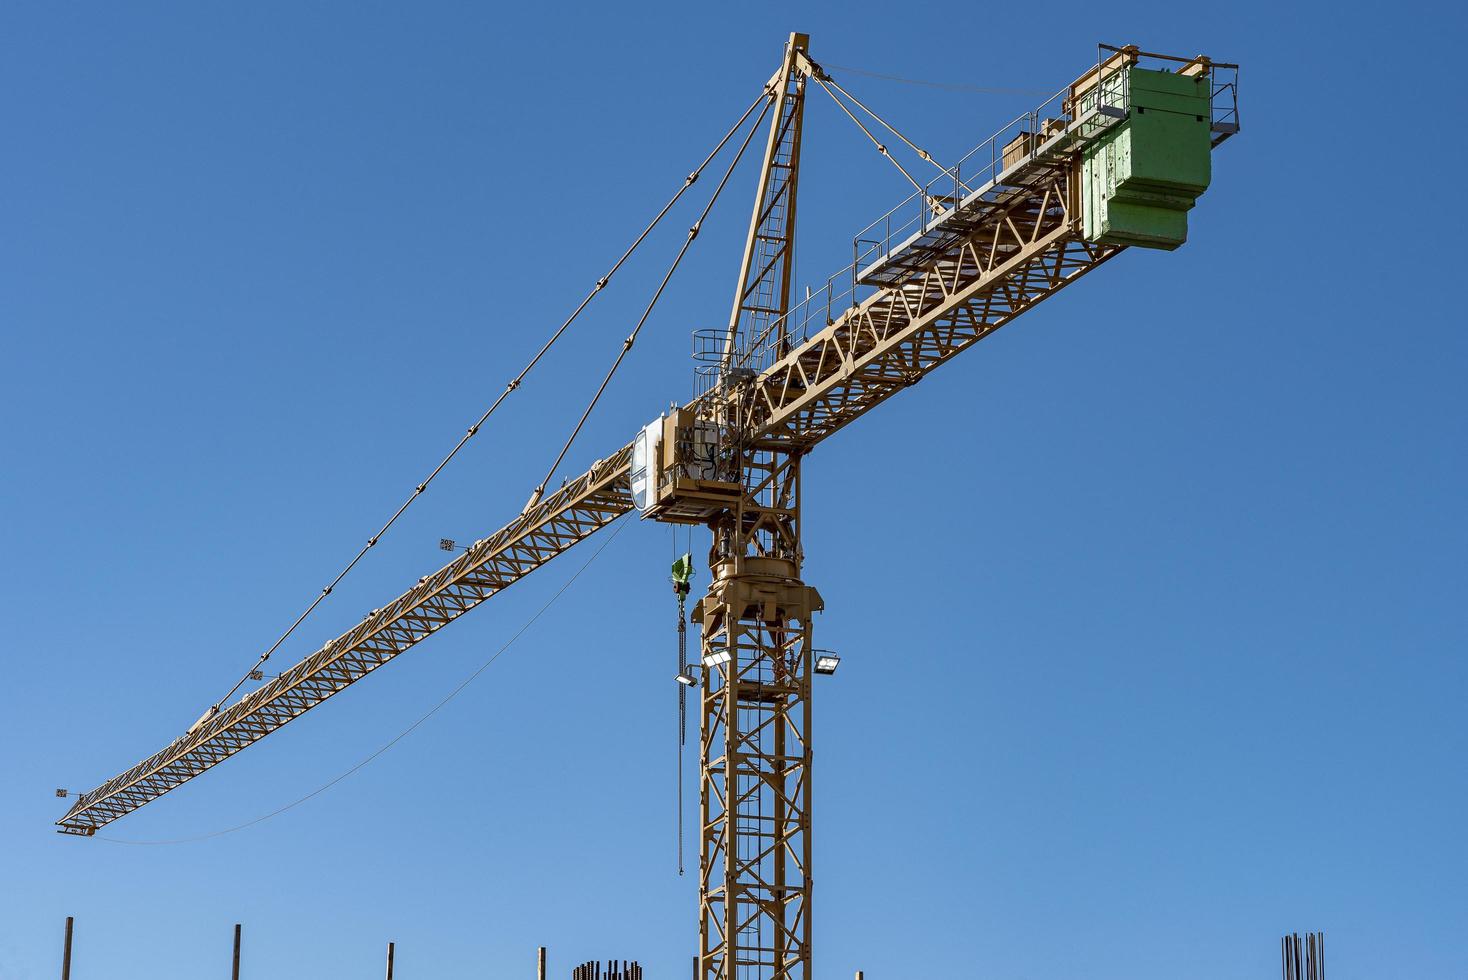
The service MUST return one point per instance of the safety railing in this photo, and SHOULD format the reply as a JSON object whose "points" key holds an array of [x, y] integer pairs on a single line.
{"points": [[817, 310], [1225, 101], [981, 168], [1071, 117]]}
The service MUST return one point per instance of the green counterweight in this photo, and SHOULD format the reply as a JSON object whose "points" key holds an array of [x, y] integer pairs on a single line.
{"points": [[1140, 181]]}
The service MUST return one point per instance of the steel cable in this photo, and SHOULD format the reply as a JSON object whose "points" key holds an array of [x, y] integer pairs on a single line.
{"points": [[881, 148], [509, 388], [657, 294], [888, 126], [621, 523], [682, 715], [950, 86]]}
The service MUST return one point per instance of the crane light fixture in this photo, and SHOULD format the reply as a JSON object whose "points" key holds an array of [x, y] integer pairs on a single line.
{"points": [[826, 661], [716, 656], [686, 678]]}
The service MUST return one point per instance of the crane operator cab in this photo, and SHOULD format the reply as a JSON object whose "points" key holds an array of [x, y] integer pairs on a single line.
{"points": [[681, 471]]}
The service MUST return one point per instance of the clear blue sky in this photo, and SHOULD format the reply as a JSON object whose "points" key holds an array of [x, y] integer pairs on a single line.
{"points": [[1152, 606]]}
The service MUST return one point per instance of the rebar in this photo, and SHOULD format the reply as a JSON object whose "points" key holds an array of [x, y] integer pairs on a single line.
{"points": [[66, 952], [615, 970], [1303, 959]]}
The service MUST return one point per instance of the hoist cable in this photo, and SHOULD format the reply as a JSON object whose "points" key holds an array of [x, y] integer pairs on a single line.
{"points": [[682, 575], [406, 731], [682, 715], [682, 666], [657, 295], [515, 383]]}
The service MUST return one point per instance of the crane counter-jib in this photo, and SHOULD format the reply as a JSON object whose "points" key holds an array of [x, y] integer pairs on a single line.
{"points": [[1119, 164]]}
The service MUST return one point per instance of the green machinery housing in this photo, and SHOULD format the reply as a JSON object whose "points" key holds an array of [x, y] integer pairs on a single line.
{"points": [[1140, 180]]}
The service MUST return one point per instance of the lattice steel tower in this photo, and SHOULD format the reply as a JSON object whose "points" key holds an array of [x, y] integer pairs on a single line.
{"points": [[754, 799]]}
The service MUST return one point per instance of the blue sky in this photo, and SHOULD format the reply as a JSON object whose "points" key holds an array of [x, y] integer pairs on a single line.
{"points": [[1151, 606]]}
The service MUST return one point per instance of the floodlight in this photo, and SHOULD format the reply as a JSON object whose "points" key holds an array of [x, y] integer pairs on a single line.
{"points": [[826, 661], [686, 678], [716, 657]]}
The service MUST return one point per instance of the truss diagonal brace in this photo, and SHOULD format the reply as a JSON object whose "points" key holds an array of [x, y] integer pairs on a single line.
{"points": [[572, 514]]}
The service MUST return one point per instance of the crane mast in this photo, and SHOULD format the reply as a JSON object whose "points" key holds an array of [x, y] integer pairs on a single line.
{"points": [[1114, 160], [755, 637]]}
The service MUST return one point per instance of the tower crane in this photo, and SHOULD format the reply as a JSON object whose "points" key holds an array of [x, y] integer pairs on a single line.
{"points": [[1113, 160]]}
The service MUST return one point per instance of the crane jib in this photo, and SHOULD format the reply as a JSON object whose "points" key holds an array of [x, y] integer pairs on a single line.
{"points": [[575, 512]]}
